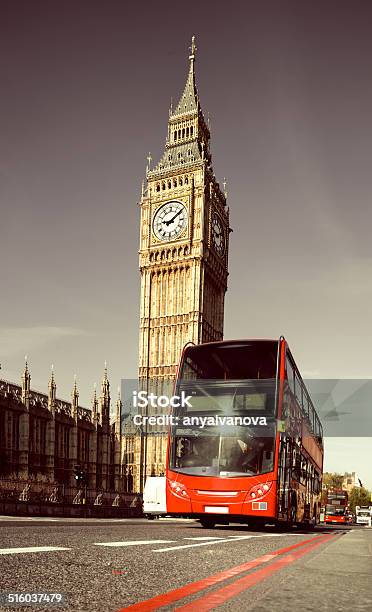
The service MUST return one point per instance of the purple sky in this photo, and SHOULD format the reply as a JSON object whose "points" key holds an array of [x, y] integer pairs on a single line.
{"points": [[86, 88]]}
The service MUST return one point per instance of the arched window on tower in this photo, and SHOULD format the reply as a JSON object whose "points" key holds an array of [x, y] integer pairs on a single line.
{"points": [[175, 134]]}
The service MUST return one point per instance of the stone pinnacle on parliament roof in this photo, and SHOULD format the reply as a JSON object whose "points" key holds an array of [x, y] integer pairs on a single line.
{"points": [[105, 386]]}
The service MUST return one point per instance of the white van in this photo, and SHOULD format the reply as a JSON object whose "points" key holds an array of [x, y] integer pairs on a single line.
{"points": [[154, 498]]}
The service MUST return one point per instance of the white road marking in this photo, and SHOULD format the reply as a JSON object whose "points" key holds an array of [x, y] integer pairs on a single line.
{"points": [[230, 539], [134, 543], [209, 543], [30, 549], [28, 518], [206, 538], [271, 535], [179, 520]]}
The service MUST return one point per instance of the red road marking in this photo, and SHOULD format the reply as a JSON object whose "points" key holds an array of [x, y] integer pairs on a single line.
{"points": [[189, 589], [212, 600]]}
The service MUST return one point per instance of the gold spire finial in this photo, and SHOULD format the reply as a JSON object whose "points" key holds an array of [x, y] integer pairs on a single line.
{"points": [[193, 48]]}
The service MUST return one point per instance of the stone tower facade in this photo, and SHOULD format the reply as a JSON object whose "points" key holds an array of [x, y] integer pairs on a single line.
{"points": [[183, 258]]}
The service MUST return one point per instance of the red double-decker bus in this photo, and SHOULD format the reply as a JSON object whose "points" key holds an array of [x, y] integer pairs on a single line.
{"points": [[336, 510], [247, 445]]}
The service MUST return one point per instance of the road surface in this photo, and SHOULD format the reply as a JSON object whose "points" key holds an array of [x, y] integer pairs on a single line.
{"points": [[111, 565]]}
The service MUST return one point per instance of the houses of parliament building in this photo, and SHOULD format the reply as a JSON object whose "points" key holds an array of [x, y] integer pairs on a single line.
{"points": [[184, 243]]}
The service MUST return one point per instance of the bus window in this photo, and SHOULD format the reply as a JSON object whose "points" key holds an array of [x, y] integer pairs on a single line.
{"points": [[306, 404], [312, 419], [290, 375], [296, 464], [298, 390], [303, 472], [316, 484], [243, 360]]}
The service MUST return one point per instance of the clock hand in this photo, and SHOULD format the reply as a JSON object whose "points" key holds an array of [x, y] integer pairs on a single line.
{"points": [[173, 218]]}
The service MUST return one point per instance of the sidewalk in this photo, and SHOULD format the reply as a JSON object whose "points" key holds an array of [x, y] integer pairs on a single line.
{"points": [[344, 570], [337, 577]]}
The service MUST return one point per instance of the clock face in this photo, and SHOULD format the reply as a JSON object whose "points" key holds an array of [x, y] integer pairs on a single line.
{"points": [[170, 220], [218, 235]]}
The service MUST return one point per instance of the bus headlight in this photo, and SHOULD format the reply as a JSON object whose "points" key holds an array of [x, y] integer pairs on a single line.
{"points": [[259, 491], [178, 489]]}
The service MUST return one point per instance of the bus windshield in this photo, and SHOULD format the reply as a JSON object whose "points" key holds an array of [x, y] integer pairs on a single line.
{"points": [[227, 428], [335, 510]]}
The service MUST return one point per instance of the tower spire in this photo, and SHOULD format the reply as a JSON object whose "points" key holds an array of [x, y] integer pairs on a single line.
{"points": [[105, 400], [75, 399], [188, 132], [118, 412], [26, 380], [95, 413], [189, 101], [105, 382], [52, 387], [193, 49]]}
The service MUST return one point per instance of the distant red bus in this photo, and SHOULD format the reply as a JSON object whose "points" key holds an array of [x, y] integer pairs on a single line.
{"points": [[248, 446], [336, 510]]}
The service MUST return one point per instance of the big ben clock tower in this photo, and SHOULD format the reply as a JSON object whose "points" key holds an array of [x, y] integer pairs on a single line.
{"points": [[184, 241]]}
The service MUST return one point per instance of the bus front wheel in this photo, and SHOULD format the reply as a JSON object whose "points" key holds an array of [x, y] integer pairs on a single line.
{"points": [[207, 523]]}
